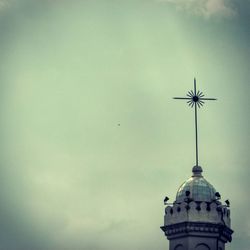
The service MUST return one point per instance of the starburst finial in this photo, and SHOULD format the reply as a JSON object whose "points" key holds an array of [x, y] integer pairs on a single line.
{"points": [[195, 98]]}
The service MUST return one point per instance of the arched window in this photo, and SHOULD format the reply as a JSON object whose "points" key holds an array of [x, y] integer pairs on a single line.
{"points": [[202, 246], [179, 247]]}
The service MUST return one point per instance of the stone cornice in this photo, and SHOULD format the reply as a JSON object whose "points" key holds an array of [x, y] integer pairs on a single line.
{"points": [[198, 229]]}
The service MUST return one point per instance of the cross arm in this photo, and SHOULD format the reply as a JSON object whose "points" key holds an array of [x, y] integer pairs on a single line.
{"points": [[182, 98], [207, 98]]}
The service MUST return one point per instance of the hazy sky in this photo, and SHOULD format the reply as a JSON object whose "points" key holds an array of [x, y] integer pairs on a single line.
{"points": [[71, 71]]}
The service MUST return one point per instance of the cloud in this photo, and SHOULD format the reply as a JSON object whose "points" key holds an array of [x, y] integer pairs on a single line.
{"points": [[4, 4], [205, 8]]}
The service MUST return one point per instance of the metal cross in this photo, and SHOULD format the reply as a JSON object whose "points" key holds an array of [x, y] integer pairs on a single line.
{"points": [[195, 99]]}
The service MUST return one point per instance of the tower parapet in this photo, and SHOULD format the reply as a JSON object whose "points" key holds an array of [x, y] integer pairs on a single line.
{"points": [[197, 212]]}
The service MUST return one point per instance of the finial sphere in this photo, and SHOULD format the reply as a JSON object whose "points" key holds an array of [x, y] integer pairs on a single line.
{"points": [[197, 170]]}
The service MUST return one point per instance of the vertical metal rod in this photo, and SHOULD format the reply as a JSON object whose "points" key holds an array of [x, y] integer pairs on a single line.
{"points": [[194, 86], [196, 129], [196, 134]]}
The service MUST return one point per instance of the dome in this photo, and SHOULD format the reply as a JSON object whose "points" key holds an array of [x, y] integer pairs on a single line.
{"points": [[200, 189]]}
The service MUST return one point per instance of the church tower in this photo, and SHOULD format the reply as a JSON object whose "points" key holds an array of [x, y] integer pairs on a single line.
{"points": [[197, 220]]}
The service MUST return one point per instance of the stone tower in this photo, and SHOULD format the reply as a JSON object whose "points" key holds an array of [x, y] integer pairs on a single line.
{"points": [[197, 220]]}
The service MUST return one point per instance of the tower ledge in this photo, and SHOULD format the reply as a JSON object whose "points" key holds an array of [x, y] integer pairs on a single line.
{"points": [[200, 229]]}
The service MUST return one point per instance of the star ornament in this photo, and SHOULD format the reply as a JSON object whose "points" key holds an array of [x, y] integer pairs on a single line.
{"points": [[195, 98]]}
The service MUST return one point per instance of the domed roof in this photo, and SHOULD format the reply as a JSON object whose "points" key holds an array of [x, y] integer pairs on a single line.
{"points": [[200, 189]]}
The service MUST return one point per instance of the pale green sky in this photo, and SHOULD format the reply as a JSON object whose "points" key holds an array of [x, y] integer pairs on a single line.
{"points": [[71, 71]]}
